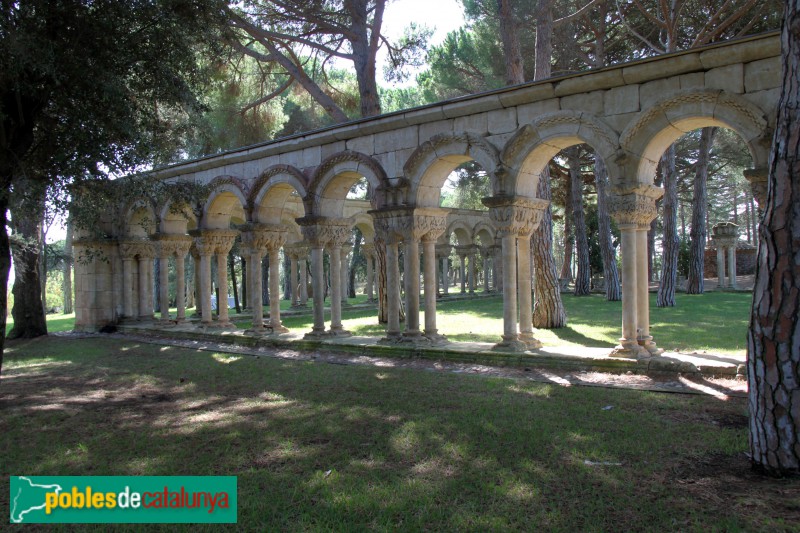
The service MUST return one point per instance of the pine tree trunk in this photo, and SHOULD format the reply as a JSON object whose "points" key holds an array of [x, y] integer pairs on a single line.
{"points": [[68, 269], [610, 271], [243, 262], [351, 272], [669, 267], [697, 234], [548, 309], [5, 265], [773, 341], [287, 278], [583, 279], [569, 235], [28, 313], [512, 51], [232, 270], [265, 280], [380, 281]]}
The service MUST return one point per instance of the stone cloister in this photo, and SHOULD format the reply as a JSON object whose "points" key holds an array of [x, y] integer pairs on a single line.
{"points": [[292, 194]]}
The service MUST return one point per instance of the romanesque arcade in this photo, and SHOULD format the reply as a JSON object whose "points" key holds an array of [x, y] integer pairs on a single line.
{"points": [[291, 194]]}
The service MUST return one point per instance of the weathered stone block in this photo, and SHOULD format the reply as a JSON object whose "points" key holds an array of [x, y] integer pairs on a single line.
{"points": [[311, 156], [652, 91], [744, 52], [502, 120], [621, 100], [525, 95], [478, 123], [470, 106], [527, 113], [364, 144], [424, 115], [763, 74], [767, 100], [695, 80], [591, 81], [428, 130], [398, 139], [591, 102], [657, 69], [327, 150], [729, 78]]}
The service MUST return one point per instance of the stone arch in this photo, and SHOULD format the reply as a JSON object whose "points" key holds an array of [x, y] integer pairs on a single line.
{"points": [[272, 189], [331, 181], [527, 153], [484, 232], [140, 219], [175, 222], [462, 231], [644, 141], [227, 202], [430, 164], [364, 223]]}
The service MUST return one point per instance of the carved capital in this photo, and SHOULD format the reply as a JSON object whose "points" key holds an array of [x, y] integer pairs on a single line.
{"points": [[515, 215], [262, 238], [418, 224], [758, 184], [634, 205], [169, 245], [214, 241], [141, 248], [324, 232]]}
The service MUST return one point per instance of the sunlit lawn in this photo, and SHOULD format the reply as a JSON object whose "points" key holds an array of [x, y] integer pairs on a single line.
{"points": [[715, 322], [320, 447]]}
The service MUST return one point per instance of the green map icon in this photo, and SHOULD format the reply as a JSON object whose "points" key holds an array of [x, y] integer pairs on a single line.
{"points": [[28, 499]]}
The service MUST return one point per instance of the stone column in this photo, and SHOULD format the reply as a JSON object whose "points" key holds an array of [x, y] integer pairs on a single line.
{"points": [[208, 243], [720, 267], [198, 303], [163, 284], [429, 277], [275, 290], [344, 252], [643, 293], [293, 278], [463, 272], [145, 301], [732, 266], [368, 249], [443, 253], [411, 269], [256, 288], [524, 289], [392, 290], [485, 255], [180, 279], [497, 267], [515, 217], [633, 208], [128, 298], [222, 285], [758, 184], [471, 256], [318, 281]]}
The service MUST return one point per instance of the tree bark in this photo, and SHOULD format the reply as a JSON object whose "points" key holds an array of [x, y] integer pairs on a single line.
{"points": [[68, 269], [5, 266], [243, 262], [569, 235], [512, 51], [265, 281], [697, 233], [288, 288], [669, 267], [548, 309], [157, 285], [610, 271], [28, 313], [773, 342], [583, 277], [351, 272]]}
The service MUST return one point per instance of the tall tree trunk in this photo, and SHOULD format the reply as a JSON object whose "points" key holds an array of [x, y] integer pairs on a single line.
{"points": [[569, 235], [548, 309], [68, 269], [243, 262], [232, 270], [265, 280], [28, 313], [512, 51], [610, 272], [583, 279], [365, 42], [669, 267], [697, 234], [351, 272], [43, 266], [773, 341], [288, 289], [5, 265]]}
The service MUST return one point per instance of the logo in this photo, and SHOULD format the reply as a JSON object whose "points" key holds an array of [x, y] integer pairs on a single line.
{"points": [[122, 499]]}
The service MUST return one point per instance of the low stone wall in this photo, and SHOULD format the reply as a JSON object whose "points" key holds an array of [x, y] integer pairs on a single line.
{"points": [[745, 260]]}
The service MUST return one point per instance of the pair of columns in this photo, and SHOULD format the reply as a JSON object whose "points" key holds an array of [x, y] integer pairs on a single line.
{"points": [[411, 227], [633, 209], [326, 235], [443, 255], [464, 252], [298, 273], [176, 246], [213, 243], [725, 236], [137, 301], [516, 218], [259, 240]]}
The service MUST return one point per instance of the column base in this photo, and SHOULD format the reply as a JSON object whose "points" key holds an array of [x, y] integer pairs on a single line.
{"points": [[530, 341], [436, 339], [392, 337], [167, 322], [317, 335], [339, 332], [257, 329], [275, 330], [629, 349], [510, 345], [219, 325], [299, 306], [648, 344]]}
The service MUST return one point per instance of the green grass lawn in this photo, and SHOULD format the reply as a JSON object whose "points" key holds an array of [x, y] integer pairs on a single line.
{"points": [[715, 322], [331, 447]]}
